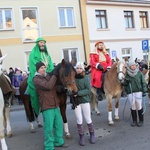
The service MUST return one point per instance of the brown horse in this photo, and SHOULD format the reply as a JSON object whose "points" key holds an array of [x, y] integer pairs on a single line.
{"points": [[66, 80], [112, 88]]}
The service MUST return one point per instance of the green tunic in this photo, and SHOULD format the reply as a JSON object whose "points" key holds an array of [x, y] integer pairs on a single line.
{"points": [[36, 56]]}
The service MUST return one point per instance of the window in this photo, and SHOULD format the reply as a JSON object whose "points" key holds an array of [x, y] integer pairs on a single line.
{"points": [[6, 21], [66, 17], [70, 54], [27, 53], [30, 24], [101, 19], [126, 52], [128, 15], [143, 19]]}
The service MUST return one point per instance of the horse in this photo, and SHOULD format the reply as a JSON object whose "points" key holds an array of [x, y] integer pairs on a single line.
{"points": [[66, 80], [113, 88], [2, 134]]}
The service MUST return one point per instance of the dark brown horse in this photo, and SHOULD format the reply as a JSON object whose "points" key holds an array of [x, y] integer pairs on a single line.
{"points": [[65, 80]]}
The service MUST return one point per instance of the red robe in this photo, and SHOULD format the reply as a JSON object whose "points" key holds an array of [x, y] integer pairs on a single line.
{"points": [[96, 75]]}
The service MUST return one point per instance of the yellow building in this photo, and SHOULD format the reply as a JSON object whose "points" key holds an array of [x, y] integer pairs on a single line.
{"points": [[58, 21]]}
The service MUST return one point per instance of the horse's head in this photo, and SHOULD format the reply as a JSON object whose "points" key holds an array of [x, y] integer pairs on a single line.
{"points": [[67, 76], [121, 70], [1, 61]]}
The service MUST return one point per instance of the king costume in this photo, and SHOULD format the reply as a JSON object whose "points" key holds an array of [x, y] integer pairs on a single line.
{"points": [[37, 56], [100, 61]]}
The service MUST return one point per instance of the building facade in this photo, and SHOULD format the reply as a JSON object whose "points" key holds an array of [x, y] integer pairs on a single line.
{"points": [[123, 25], [22, 22]]}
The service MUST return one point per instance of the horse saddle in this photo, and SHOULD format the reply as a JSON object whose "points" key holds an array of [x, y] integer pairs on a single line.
{"points": [[5, 85]]}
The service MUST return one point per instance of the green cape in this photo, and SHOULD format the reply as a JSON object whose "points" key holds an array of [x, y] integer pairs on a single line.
{"points": [[35, 56]]}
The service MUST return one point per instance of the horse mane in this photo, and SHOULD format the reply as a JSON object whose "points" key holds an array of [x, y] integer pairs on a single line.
{"points": [[67, 66]]}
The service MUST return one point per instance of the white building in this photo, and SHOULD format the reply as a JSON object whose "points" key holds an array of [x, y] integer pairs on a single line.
{"points": [[121, 24]]}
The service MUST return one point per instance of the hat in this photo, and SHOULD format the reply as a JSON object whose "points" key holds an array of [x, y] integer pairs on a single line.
{"points": [[40, 39], [98, 43], [130, 63], [16, 69], [80, 65], [11, 68], [39, 65]]}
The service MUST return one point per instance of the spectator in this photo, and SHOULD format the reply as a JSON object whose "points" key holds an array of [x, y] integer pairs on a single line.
{"points": [[11, 73], [16, 81]]}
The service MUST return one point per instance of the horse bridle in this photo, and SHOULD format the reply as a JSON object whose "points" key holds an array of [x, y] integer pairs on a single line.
{"points": [[69, 82], [121, 72]]}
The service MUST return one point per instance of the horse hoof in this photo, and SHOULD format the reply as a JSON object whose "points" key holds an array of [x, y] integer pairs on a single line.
{"points": [[40, 126], [111, 123], [9, 135], [117, 119], [32, 130], [68, 137]]}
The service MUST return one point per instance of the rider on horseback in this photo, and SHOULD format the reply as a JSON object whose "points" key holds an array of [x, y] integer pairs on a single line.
{"points": [[100, 62], [38, 53]]}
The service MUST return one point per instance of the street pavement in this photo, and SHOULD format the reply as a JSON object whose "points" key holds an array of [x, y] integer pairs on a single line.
{"points": [[121, 136]]}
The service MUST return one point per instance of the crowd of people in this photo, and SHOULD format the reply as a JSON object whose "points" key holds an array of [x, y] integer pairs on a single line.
{"points": [[16, 77], [42, 82]]}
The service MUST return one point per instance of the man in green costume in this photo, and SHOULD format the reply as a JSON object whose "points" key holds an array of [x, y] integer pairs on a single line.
{"points": [[38, 53]]}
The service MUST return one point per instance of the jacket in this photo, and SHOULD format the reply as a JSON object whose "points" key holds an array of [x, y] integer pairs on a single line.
{"points": [[46, 89], [84, 89], [135, 84], [16, 80]]}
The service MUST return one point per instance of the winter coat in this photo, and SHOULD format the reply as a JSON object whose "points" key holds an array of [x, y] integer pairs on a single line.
{"points": [[46, 89], [84, 88], [96, 76], [135, 84], [16, 80]]}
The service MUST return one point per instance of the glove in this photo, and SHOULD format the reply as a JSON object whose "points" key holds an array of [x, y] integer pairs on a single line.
{"points": [[144, 94], [56, 70], [108, 69], [126, 82], [100, 67]]}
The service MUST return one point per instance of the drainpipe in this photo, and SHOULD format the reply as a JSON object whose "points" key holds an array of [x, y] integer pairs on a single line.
{"points": [[82, 30]]}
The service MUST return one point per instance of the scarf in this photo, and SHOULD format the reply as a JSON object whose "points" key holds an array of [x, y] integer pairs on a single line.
{"points": [[80, 76], [132, 73]]}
